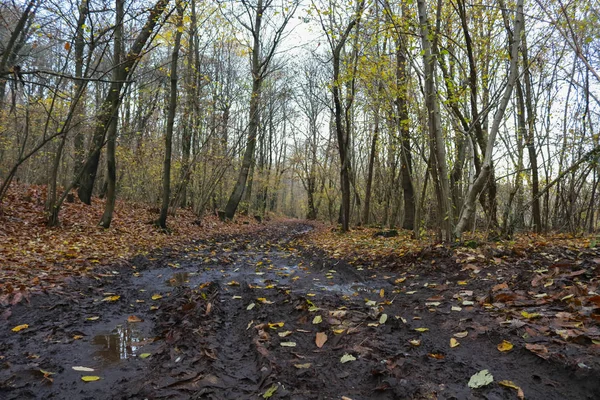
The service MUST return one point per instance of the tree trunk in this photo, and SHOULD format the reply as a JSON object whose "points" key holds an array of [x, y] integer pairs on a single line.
{"points": [[79, 50], [16, 40], [112, 101], [438, 149], [166, 190], [408, 190], [257, 80], [475, 189], [111, 162]]}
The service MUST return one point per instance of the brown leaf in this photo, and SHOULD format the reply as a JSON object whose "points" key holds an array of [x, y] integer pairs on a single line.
{"points": [[499, 287], [539, 350], [320, 339]]}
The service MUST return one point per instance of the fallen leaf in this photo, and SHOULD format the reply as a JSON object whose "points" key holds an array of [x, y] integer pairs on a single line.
{"points": [[156, 296], [530, 315], [454, 343], [320, 339], [481, 379], [382, 293], [505, 346], [538, 349], [461, 334], [250, 306], [415, 342], [233, 283], [90, 378], [456, 308], [512, 385], [284, 334], [145, 355], [133, 318], [421, 329], [275, 325], [270, 391], [19, 328], [317, 320], [92, 318], [236, 297], [83, 369], [288, 344], [302, 366], [111, 298], [383, 318], [347, 358]]}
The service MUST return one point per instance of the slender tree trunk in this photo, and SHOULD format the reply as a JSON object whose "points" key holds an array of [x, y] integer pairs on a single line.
{"points": [[438, 149], [16, 40], [79, 50], [166, 189], [406, 169], [475, 189], [111, 162], [257, 80], [112, 100]]}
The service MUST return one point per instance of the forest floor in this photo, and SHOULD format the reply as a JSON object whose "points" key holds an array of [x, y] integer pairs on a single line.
{"points": [[292, 310]]}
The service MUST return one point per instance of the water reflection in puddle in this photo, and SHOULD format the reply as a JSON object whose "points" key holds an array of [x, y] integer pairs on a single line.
{"points": [[123, 342], [179, 279], [346, 289]]}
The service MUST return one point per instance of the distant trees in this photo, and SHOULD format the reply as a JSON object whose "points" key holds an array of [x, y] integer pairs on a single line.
{"points": [[451, 116]]}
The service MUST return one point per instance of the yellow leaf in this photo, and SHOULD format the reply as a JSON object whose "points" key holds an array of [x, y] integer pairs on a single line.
{"points": [[275, 325], [382, 293], [383, 318], [512, 385], [111, 298], [288, 344], [285, 333], [302, 366], [90, 378], [461, 334], [77, 337], [338, 331], [415, 342], [462, 283], [92, 318], [529, 315], [20, 327], [310, 294], [454, 343], [399, 280], [144, 355], [505, 346], [421, 329], [233, 283], [317, 320], [156, 296]]}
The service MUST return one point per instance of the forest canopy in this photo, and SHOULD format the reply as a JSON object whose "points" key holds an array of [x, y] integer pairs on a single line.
{"points": [[450, 116]]}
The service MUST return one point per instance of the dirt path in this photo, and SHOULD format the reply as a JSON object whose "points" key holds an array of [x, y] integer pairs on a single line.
{"points": [[205, 323]]}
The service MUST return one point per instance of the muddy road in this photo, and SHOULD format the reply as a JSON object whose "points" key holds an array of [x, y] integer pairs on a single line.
{"points": [[259, 315]]}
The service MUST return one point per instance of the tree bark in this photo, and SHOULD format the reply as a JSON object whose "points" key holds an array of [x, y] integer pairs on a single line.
{"points": [[486, 169], [166, 189], [112, 101], [111, 162], [438, 150]]}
